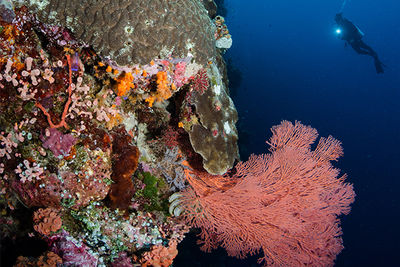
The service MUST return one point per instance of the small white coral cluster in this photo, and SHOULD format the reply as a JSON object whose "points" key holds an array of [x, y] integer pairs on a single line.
{"points": [[10, 141], [29, 76], [222, 36], [28, 172]]}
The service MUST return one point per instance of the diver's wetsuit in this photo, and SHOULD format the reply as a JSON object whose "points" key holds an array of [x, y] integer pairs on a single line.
{"points": [[351, 34]]}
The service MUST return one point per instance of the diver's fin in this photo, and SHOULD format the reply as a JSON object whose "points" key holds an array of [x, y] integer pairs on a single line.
{"points": [[378, 65]]}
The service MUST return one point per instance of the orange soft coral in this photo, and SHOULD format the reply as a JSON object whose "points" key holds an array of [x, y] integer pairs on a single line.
{"points": [[150, 100], [163, 89], [124, 83], [114, 120], [46, 221], [160, 256]]}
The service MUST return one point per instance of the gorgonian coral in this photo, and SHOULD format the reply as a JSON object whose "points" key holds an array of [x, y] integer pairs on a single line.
{"points": [[285, 203]]}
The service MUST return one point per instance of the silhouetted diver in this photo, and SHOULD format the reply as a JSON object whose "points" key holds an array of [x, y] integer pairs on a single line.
{"points": [[353, 35]]}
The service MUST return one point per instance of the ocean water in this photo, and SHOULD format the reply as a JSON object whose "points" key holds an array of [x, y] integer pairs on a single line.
{"points": [[286, 63]]}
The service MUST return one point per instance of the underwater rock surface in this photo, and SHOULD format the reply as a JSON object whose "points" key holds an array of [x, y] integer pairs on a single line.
{"points": [[215, 136]]}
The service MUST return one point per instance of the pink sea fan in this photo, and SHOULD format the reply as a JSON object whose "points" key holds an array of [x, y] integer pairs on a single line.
{"points": [[285, 203]]}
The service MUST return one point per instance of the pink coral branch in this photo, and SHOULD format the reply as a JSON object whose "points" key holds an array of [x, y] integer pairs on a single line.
{"points": [[65, 111]]}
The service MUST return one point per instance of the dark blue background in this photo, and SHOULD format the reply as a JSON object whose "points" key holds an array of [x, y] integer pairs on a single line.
{"points": [[294, 68]]}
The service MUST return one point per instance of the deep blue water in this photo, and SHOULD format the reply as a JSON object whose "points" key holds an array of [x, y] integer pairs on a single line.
{"points": [[294, 67]]}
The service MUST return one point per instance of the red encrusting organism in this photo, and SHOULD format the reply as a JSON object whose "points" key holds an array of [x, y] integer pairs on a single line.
{"points": [[284, 204], [200, 82]]}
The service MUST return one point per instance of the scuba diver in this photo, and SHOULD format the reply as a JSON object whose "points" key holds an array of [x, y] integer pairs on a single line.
{"points": [[353, 35]]}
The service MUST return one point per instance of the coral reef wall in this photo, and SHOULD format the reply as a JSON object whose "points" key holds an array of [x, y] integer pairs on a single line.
{"points": [[104, 105]]}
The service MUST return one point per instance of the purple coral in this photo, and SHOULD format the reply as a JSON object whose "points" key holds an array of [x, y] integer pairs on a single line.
{"points": [[58, 143], [122, 261], [72, 252]]}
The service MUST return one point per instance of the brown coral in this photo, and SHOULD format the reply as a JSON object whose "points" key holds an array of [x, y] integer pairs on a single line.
{"points": [[215, 136], [131, 31], [46, 221], [125, 162], [50, 259]]}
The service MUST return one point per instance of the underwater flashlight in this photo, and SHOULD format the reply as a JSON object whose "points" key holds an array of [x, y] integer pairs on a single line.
{"points": [[338, 31]]}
